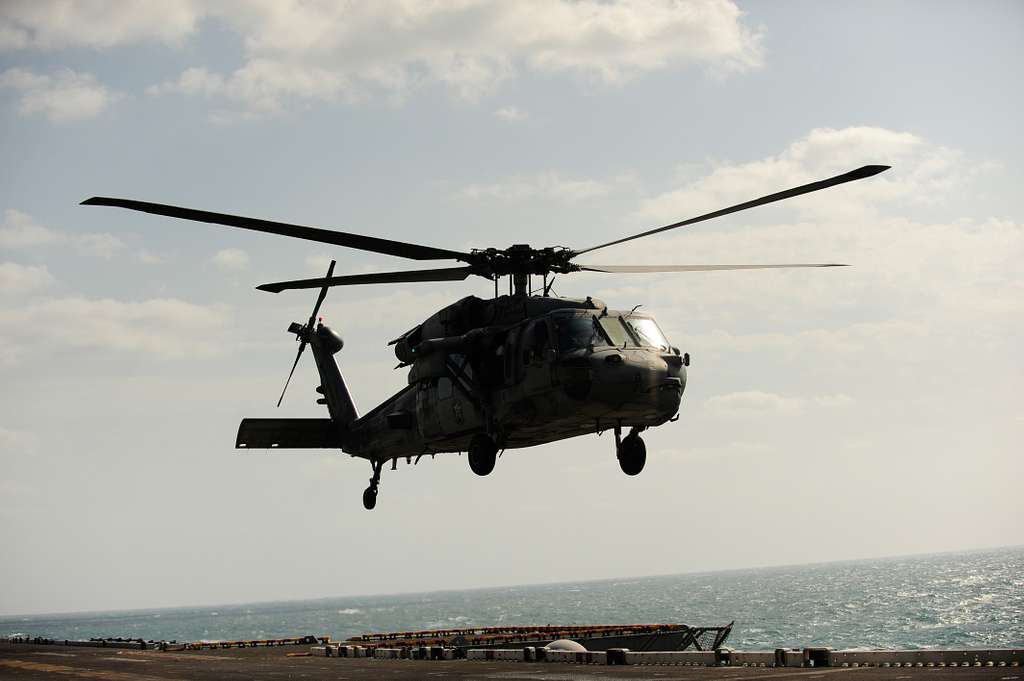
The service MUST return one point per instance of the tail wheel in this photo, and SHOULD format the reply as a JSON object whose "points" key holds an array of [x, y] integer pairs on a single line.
{"points": [[632, 455], [483, 453]]}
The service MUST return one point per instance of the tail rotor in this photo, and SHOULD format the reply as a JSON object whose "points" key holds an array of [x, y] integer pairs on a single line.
{"points": [[302, 333]]}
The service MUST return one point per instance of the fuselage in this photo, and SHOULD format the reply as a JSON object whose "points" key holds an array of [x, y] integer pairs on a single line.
{"points": [[557, 372]]}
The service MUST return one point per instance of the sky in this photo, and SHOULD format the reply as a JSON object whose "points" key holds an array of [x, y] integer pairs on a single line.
{"points": [[830, 414]]}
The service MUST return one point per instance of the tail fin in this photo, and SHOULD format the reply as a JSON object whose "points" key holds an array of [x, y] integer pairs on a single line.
{"points": [[326, 343]]}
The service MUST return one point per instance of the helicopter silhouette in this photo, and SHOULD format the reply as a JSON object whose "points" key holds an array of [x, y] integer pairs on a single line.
{"points": [[486, 375]]}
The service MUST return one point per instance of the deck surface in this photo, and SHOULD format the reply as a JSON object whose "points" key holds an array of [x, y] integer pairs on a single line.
{"points": [[20, 661]]}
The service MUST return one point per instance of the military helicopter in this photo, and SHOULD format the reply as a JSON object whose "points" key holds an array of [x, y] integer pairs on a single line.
{"points": [[518, 370]]}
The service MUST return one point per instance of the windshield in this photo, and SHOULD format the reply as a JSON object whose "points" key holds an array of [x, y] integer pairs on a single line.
{"points": [[578, 332], [616, 332], [647, 332]]}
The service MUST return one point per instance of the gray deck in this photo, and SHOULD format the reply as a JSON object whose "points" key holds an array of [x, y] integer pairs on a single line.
{"points": [[23, 661]]}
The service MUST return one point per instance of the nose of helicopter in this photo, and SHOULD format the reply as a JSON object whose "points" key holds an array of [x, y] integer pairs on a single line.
{"points": [[638, 383]]}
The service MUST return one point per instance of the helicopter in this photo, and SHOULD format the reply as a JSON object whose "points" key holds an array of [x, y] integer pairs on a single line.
{"points": [[485, 375]]}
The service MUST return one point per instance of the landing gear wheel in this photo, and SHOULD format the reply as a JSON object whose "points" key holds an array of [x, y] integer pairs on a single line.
{"points": [[482, 454], [370, 498], [632, 454], [370, 493]]}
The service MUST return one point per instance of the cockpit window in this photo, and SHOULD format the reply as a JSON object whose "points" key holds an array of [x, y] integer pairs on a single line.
{"points": [[616, 333], [575, 333], [647, 332]]}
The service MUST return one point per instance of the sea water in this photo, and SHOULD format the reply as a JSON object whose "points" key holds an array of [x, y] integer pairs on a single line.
{"points": [[967, 599]]}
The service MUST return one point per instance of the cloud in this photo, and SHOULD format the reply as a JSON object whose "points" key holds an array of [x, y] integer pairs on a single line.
{"points": [[98, 245], [754, 402], [757, 403], [927, 320], [547, 185], [510, 114], [336, 50], [262, 85], [20, 231], [17, 442], [149, 258], [18, 279], [56, 24], [63, 97], [922, 173], [165, 327], [906, 274], [231, 259], [318, 264], [383, 309], [197, 80], [905, 270]]}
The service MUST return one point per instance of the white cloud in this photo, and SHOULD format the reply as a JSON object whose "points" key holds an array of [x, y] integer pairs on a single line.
{"points": [[510, 114], [17, 442], [197, 80], [836, 401], [263, 85], [63, 97], [149, 258], [335, 50], [381, 311], [18, 279], [930, 314], [98, 245], [57, 24], [758, 403], [754, 402], [20, 231], [231, 259], [164, 327], [318, 264], [548, 185], [954, 269], [906, 273], [922, 173]]}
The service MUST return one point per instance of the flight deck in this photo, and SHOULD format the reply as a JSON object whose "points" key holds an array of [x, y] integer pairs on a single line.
{"points": [[34, 661]]}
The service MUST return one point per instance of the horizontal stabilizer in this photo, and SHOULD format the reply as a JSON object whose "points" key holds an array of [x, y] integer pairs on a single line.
{"points": [[288, 434]]}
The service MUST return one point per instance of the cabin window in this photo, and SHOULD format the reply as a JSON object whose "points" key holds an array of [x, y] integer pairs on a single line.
{"points": [[615, 331], [575, 333], [535, 339], [540, 335], [647, 332], [511, 343], [460, 366], [444, 388]]}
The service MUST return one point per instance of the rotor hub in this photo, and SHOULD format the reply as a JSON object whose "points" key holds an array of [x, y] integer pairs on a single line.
{"points": [[521, 259]]}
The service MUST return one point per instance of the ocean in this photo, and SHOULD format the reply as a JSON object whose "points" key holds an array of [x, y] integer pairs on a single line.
{"points": [[964, 599]]}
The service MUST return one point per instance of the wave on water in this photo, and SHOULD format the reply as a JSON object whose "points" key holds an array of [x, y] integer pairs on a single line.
{"points": [[969, 599]]}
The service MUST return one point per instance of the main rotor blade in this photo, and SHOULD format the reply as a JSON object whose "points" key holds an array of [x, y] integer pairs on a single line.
{"points": [[696, 268], [858, 174], [320, 298], [442, 274], [302, 346], [327, 236]]}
